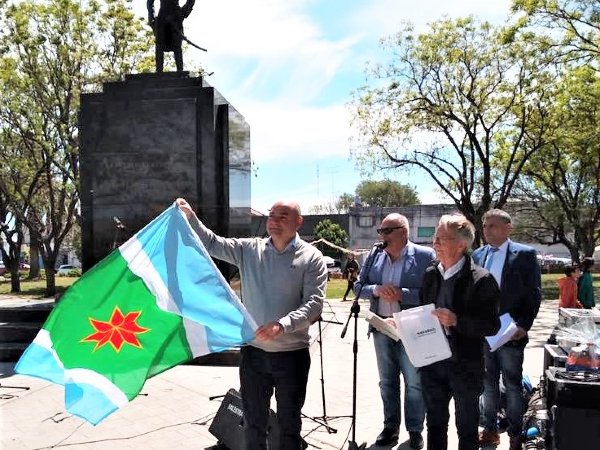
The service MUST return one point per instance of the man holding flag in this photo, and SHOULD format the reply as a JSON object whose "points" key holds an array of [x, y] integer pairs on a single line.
{"points": [[283, 285]]}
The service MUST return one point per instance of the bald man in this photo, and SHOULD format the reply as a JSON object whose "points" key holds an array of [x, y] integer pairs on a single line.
{"points": [[393, 284], [283, 286]]}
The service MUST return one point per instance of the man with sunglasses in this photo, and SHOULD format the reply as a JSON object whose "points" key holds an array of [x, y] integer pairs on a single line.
{"points": [[392, 283]]}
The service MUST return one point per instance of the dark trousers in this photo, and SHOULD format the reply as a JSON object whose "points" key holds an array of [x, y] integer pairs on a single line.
{"points": [[463, 381], [261, 373], [350, 286]]}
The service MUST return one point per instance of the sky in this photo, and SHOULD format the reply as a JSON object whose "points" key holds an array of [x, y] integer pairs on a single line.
{"points": [[290, 67]]}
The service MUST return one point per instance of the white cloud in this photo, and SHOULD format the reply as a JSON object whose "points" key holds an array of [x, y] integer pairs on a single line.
{"points": [[385, 17], [277, 65], [279, 131]]}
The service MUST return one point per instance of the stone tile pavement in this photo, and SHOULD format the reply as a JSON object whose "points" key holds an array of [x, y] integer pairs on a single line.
{"points": [[175, 408]]}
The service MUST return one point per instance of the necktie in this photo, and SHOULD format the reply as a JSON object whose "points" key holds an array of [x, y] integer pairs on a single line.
{"points": [[490, 258]]}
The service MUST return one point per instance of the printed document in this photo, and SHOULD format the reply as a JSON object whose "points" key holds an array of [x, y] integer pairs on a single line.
{"points": [[422, 335], [508, 327]]}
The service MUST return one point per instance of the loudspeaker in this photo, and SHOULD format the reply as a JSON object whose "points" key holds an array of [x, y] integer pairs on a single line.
{"points": [[572, 390], [575, 429], [228, 425]]}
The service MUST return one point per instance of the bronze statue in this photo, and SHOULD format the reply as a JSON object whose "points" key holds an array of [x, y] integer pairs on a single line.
{"points": [[168, 29]]}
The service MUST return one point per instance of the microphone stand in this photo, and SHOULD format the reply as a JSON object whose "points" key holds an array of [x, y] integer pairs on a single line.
{"points": [[322, 420], [354, 310]]}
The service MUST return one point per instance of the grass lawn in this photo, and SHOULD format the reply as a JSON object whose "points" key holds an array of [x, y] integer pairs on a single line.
{"points": [[335, 287], [35, 288]]}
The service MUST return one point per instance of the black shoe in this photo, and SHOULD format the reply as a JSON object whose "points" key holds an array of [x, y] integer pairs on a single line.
{"points": [[416, 440], [387, 437]]}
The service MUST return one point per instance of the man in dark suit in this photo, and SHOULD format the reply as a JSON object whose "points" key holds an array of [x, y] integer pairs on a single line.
{"points": [[392, 283], [466, 299], [515, 268]]}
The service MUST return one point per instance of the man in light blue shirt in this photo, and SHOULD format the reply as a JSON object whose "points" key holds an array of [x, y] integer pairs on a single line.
{"points": [[392, 283]]}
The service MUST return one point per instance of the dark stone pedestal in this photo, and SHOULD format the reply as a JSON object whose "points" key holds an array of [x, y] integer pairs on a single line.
{"points": [[152, 138]]}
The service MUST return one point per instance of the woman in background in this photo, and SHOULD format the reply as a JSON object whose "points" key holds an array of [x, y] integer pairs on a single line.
{"points": [[585, 284]]}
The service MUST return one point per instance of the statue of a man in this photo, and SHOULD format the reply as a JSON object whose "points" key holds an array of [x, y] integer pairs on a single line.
{"points": [[168, 29]]}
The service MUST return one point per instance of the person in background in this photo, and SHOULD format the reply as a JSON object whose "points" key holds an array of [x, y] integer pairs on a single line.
{"points": [[283, 286], [585, 284], [392, 283], [350, 273], [567, 288], [515, 268], [466, 298]]}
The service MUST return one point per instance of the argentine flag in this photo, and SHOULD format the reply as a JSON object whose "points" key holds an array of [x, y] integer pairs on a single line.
{"points": [[155, 302]]}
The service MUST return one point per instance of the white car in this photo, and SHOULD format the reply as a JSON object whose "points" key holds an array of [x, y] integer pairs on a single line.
{"points": [[65, 269]]}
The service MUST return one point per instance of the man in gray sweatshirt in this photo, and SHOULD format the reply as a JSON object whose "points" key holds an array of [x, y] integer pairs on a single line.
{"points": [[283, 286]]}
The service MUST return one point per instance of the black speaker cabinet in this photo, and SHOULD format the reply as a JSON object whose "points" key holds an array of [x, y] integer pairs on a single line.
{"points": [[575, 428], [572, 393], [228, 425]]}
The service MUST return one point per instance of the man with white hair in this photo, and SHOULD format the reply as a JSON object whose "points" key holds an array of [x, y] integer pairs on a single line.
{"points": [[466, 298]]}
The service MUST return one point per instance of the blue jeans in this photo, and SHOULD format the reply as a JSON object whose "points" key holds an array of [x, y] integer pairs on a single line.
{"points": [[391, 361], [262, 372], [507, 360]]}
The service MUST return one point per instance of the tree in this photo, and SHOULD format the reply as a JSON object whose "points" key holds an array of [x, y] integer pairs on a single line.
{"points": [[579, 21], [52, 51], [344, 203], [561, 187], [457, 103], [386, 193], [340, 206], [332, 233], [11, 241]]}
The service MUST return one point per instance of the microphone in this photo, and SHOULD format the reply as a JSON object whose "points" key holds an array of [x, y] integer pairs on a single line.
{"points": [[380, 245], [118, 223]]}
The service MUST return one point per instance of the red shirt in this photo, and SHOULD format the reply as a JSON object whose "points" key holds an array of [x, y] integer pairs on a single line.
{"points": [[567, 291]]}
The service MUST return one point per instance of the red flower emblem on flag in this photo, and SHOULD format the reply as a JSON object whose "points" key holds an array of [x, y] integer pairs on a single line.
{"points": [[120, 329]]}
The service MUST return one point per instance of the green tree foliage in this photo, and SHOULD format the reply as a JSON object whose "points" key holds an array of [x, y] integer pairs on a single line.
{"points": [[456, 103], [50, 52], [577, 20], [561, 189], [344, 203], [386, 193], [334, 234]]}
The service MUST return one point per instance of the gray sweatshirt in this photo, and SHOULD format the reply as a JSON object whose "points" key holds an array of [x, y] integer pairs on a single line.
{"points": [[286, 287]]}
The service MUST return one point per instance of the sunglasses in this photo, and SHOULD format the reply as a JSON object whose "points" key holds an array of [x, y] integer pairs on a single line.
{"points": [[386, 231]]}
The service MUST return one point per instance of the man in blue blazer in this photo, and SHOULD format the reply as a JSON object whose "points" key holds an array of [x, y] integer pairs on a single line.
{"points": [[516, 269], [392, 283]]}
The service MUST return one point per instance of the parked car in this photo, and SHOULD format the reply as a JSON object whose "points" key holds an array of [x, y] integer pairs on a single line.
{"points": [[65, 269], [23, 267], [334, 267]]}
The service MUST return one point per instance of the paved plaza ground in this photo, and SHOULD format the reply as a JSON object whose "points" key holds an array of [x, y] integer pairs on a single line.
{"points": [[174, 410]]}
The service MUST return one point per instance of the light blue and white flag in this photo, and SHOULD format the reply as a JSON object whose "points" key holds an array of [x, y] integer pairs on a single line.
{"points": [[156, 302]]}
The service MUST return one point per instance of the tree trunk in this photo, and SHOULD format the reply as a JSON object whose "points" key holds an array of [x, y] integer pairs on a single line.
{"points": [[34, 261], [50, 282], [15, 279]]}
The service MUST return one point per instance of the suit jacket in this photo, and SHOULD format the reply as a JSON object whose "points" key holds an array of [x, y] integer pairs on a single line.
{"points": [[521, 282], [475, 302], [416, 261]]}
